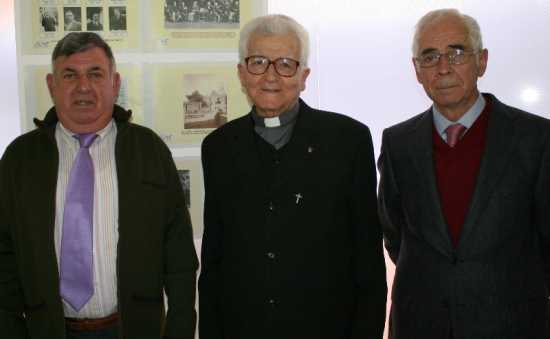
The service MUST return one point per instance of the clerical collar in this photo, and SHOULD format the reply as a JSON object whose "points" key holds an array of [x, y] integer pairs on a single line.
{"points": [[283, 119]]}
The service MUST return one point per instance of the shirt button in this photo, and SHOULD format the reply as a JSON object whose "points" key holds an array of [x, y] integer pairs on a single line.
{"points": [[271, 255]]}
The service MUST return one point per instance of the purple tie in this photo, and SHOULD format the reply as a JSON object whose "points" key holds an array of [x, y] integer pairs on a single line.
{"points": [[77, 286], [454, 132]]}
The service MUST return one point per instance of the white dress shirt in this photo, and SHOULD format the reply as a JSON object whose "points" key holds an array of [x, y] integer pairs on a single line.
{"points": [[105, 217]]}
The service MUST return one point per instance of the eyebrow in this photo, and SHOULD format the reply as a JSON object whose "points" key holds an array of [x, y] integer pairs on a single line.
{"points": [[72, 70], [453, 46], [457, 46], [67, 70], [428, 50]]}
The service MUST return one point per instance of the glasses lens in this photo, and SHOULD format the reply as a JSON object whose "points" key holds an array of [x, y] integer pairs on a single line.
{"points": [[429, 59], [257, 64], [458, 56], [286, 67]]}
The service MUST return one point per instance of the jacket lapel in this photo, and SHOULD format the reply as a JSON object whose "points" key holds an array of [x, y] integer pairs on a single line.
{"points": [[303, 145], [246, 157], [499, 141], [434, 228]]}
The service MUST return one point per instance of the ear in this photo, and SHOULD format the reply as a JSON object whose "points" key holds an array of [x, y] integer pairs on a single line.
{"points": [[304, 75], [50, 81], [116, 83], [482, 62], [416, 71]]}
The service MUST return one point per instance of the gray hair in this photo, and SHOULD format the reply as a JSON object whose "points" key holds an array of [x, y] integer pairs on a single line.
{"points": [[275, 24], [77, 42], [471, 25]]}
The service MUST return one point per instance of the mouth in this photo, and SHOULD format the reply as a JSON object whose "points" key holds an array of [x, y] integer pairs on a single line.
{"points": [[445, 87], [445, 84], [271, 90], [83, 103]]}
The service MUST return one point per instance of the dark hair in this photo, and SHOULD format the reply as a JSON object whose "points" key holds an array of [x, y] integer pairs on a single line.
{"points": [[77, 42]]}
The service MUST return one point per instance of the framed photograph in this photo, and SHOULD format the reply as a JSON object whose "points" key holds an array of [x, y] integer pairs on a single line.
{"points": [[191, 100], [205, 103], [94, 19], [72, 21], [200, 24], [115, 20], [182, 14], [190, 175], [49, 19]]}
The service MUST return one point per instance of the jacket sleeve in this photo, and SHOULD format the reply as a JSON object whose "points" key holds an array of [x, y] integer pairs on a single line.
{"points": [[369, 265], [542, 211], [210, 321], [12, 324], [180, 262], [389, 202]]}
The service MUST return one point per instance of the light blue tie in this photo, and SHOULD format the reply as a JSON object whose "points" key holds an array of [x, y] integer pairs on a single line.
{"points": [[77, 286]]}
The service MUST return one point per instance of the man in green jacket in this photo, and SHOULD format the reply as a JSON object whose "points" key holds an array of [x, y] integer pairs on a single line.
{"points": [[93, 222]]}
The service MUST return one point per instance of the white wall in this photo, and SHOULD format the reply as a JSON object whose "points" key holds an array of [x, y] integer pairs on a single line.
{"points": [[361, 54], [9, 101]]}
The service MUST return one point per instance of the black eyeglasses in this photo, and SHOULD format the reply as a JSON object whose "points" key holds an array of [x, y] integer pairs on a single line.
{"points": [[285, 67], [454, 56]]}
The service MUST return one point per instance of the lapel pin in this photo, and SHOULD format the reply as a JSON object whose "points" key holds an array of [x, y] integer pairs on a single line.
{"points": [[310, 149], [298, 197]]}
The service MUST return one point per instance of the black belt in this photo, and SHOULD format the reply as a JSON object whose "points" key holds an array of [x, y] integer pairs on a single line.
{"points": [[85, 324]]}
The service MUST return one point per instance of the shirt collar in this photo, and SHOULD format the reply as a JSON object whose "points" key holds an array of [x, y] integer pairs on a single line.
{"points": [[280, 120], [467, 120], [101, 134]]}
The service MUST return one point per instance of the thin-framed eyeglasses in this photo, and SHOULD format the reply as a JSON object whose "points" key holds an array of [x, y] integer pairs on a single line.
{"points": [[455, 56], [258, 64]]}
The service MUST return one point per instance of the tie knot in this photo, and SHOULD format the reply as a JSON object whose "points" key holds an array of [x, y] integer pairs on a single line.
{"points": [[454, 132], [85, 139]]}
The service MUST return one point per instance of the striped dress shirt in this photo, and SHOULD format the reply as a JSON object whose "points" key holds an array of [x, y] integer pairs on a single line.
{"points": [[105, 217]]}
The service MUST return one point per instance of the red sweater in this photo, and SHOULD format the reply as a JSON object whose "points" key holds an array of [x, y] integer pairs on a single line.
{"points": [[456, 172]]}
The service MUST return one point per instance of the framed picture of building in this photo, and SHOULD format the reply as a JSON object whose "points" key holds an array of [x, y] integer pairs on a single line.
{"points": [[199, 99]]}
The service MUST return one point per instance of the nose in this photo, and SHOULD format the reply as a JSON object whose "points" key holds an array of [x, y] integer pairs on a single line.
{"points": [[83, 84], [444, 66], [270, 72]]}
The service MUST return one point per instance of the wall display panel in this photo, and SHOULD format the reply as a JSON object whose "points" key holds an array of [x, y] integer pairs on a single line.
{"points": [[47, 21], [128, 25], [199, 24], [190, 100], [190, 175], [38, 100], [37, 96]]}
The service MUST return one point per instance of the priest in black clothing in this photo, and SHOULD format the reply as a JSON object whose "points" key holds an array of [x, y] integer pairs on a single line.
{"points": [[292, 242]]}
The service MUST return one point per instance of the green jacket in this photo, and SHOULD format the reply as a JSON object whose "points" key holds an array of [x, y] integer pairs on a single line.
{"points": [[155, 249]]}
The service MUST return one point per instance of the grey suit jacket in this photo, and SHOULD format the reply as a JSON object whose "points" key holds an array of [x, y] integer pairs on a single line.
{"points": [[494, 284]]}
